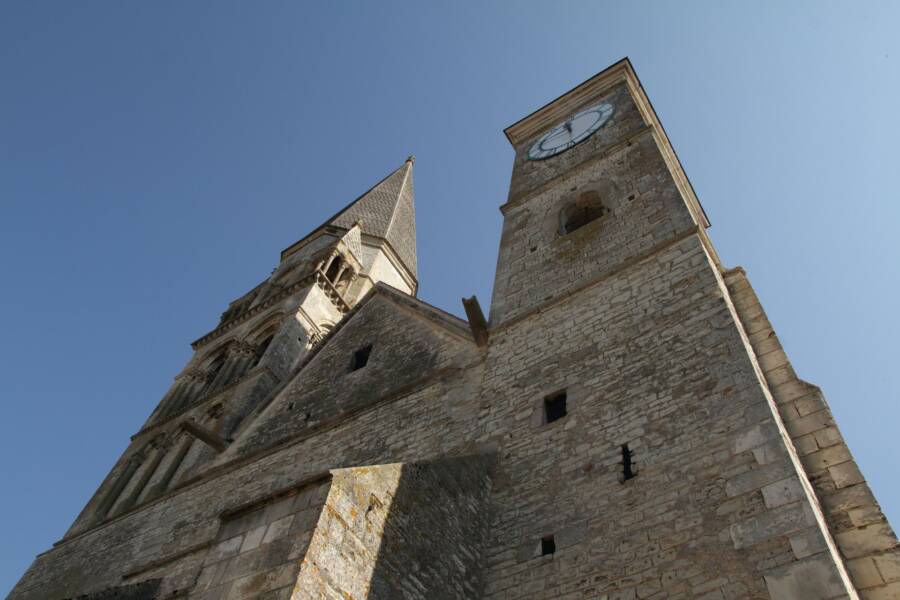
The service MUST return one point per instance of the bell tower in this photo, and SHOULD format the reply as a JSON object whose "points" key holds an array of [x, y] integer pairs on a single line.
{"points": [[260, 338], [595, 184], [626, 344]]}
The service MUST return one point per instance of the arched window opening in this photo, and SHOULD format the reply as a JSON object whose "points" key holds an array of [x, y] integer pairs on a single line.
{"points": [[580, 212], [215, 371], [216, 366], [261, 349], [333, 269], [345, 280]]}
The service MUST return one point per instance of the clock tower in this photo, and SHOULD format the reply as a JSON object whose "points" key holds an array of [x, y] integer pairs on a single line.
{"points": [[653, 381], [595, 184]]}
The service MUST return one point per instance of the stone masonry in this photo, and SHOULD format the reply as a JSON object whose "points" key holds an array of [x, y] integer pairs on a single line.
{"points": [[625, 425]]}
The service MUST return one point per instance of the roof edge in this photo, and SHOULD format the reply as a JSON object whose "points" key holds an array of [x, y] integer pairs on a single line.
{"points": [[559, 107], [328, 222]]}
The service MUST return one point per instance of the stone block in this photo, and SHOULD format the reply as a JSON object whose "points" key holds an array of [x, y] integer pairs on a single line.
{"points": [[890, 591], [783, 492], [808, 423], [828, 437], [846, 474], [278, 529], [864, 573], [814, 578], [823, 459], [867, 540], [754, 437], [889, 564], [758, 478], [777, 522], [253, 538], [808, 542]]}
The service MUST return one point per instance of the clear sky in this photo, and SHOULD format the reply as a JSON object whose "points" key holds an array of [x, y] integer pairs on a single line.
{"points": [[155, 157]]}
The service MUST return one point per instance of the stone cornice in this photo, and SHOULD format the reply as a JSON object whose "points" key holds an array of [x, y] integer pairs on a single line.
{"points": [[166, 560], [556, 110], [448, 322], [269, 302], [254, 372], [624, 266]]}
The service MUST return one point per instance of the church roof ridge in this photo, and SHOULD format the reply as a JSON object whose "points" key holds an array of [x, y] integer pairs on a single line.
{"points": [[451, 323]]}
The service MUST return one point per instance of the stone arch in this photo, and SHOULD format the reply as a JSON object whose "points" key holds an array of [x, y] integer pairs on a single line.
{"points": [[261, 338], [339, 270], [130, 484], [577, 213]]}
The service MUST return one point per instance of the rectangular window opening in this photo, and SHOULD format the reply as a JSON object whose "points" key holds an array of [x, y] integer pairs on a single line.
{"points": [[548, 545], [628, 469], [555, 407], [360, 358]]}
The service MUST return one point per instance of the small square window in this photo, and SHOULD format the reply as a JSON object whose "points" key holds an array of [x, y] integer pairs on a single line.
{"points": [[360, 358], [555, 407], [548, 545]]}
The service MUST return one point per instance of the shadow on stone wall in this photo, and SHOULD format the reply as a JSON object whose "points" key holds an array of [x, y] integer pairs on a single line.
{"points": [[145, 590], [435, 533], [401, 531]]}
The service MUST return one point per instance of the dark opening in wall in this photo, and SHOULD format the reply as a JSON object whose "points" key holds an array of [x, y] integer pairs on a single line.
{"points": [[555, 406], [215, 367], [261, 349], [333, 270], [360, 358], [628, 468], [580, 212], [548, 545]]}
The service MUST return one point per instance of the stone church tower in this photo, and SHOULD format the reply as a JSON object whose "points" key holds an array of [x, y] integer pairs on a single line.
{"points": [[625, 424]]}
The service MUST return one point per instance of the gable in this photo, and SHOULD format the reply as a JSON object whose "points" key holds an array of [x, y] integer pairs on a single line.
{"points": [[406, 349]]}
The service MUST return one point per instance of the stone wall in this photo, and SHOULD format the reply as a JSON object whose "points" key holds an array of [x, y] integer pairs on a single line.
{"points": [[414, 531], [258, 549], [652, 357], [537, 263], [859, 527], [403, 351], [175, 530]]}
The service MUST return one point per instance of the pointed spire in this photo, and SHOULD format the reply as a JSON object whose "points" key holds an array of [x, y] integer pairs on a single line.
{"points": [[387, 211]]}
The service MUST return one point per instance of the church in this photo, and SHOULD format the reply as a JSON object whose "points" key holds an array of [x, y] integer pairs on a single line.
{"points": [[622, 424]]}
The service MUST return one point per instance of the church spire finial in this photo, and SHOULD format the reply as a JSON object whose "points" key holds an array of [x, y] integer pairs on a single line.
{"points": [[411, 159]]}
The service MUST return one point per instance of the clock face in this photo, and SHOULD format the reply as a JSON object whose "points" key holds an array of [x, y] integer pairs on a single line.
{"points": [[572, 131]]}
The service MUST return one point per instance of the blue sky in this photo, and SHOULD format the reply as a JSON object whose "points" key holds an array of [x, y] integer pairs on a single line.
{"points": [[156, 157]]}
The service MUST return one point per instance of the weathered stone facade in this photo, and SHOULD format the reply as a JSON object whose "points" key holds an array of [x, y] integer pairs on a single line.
{"points": [[625, 426]]}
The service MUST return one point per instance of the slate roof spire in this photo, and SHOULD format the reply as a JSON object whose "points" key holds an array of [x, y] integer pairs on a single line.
{"points": [[387, 211]]}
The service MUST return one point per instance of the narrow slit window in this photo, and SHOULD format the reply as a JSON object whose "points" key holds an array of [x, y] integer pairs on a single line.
{"points": [[628, 468], [548, 545], [555, 407], [360, 358]]}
